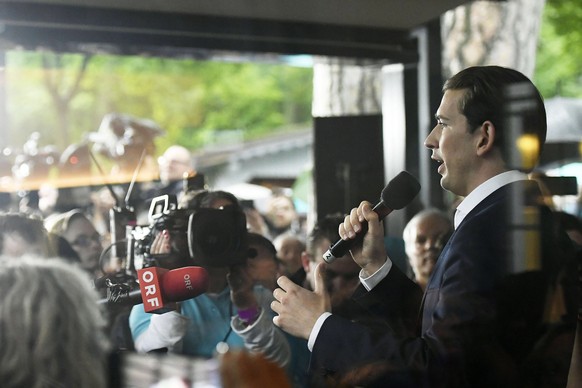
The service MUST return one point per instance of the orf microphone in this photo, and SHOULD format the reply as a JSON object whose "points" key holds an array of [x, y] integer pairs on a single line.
{"points": [[184, 283], [159, 287], [398, 193]]}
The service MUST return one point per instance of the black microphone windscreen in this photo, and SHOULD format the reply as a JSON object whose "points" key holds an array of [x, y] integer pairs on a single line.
{"points": [[400, 191]]}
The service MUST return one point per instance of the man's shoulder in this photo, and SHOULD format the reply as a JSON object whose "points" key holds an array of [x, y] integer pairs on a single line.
{"points": [[511, 199]]}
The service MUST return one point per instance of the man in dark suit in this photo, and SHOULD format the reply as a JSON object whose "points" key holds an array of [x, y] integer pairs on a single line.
{"points": [[468, 336]]}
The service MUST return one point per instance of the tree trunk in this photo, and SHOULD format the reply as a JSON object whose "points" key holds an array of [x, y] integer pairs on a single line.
{"points": [[62, 96], [492, 33], [344, 87], [479, 33]]}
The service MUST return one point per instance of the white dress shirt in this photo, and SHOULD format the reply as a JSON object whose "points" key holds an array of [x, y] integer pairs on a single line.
{"points": [[483, 191]]}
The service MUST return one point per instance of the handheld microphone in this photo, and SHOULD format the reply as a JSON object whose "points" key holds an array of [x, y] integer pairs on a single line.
{"points": [[159, 287], [398, 193]]}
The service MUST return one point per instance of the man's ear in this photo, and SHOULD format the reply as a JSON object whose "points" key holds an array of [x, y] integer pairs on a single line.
{"points": [[305, 261], [485, 138]]}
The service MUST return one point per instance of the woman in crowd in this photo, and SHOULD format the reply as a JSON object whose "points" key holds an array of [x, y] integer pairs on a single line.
{"points": [[50, 326]]}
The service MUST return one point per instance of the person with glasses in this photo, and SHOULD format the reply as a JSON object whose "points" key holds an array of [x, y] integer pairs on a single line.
{"points": [[342, 275], [342, 280], [78, 230]]}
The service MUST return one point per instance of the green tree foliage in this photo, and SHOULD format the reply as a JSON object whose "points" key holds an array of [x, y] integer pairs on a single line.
{"points": [[192, 100], [558, 63]]}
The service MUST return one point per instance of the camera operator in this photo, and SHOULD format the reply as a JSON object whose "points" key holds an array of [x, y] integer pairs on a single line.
{"points": [[232, 311]]}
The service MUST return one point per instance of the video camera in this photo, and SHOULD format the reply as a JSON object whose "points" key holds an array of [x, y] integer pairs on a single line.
{"points": [[204, 237]]}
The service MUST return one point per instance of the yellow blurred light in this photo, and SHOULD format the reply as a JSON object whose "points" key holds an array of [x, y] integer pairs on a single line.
{"points": [[529, 147]]}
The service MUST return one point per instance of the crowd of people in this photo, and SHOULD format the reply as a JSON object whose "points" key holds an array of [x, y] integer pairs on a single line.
{"points": [[477, 304]]}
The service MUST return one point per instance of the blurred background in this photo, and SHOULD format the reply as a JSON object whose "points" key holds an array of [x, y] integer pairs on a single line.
{"points": [[276, 111]]}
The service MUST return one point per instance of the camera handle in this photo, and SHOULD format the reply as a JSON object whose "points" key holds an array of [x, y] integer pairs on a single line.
{"points": [[120, 219]]}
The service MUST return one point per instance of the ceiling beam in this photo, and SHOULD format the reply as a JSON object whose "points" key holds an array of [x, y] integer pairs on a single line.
{"points": [[74, 28]]}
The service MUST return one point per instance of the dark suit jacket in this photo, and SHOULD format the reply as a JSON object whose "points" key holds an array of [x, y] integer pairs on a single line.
{"points": [[463, 339], [392, 306]]}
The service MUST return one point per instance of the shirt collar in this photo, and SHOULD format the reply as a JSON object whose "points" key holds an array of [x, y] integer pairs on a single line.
{"points": [[483, 190]]}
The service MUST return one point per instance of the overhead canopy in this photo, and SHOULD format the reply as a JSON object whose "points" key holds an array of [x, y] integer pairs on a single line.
{"points": [[377, 29]]}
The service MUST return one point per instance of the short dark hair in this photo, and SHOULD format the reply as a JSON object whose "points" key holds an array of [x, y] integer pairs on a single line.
{"points": [[325, 228], [30, 228], [485, 99], [259, 239], [202, 199]]}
